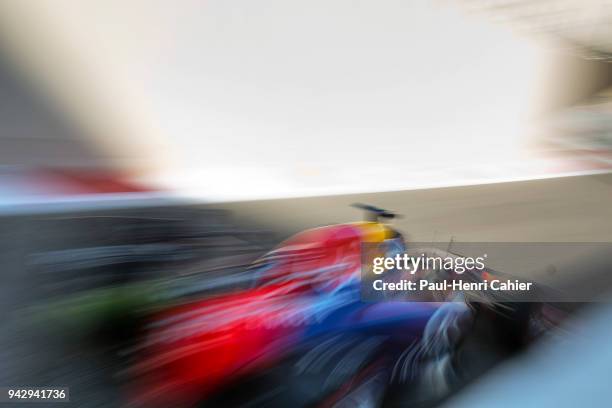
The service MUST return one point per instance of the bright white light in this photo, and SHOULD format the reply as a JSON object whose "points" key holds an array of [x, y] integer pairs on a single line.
{"points": [[276, 98]]}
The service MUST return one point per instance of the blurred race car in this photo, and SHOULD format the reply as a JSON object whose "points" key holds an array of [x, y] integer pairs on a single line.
{"points": [[302, 335]]}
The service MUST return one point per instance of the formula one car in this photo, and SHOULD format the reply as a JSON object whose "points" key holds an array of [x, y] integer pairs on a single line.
{"points": [[303, 336]]}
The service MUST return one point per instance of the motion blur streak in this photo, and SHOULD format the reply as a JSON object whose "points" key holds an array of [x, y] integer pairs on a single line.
{"points": [[176, 183], [303, 90]]}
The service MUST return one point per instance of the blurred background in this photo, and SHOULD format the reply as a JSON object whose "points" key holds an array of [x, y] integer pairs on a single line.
{"points": [[151, 150]]}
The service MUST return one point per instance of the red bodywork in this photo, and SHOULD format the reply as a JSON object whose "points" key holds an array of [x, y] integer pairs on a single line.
{"points": [[194, 349]]}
